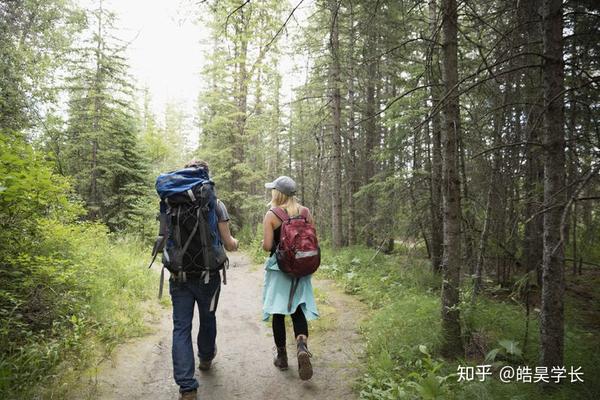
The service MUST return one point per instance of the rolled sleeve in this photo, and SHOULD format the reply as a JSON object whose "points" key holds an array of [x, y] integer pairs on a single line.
{"points": [[221, 210]]}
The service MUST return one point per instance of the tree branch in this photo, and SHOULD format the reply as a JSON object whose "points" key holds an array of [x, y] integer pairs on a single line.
{"points": [[234, 11], [264, 50]]}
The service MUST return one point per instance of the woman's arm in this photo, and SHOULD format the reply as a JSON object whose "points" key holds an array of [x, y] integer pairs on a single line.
{"points": [[268, 234], [310, 217]]}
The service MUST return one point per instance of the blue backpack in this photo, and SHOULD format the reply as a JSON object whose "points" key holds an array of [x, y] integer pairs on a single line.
{"points": [[189, 235]]}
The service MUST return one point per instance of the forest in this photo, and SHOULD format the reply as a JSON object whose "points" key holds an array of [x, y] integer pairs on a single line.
{"points": [[449, 151]]}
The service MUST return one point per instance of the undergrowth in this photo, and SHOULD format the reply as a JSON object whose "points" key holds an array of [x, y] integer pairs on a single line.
{"points": [[69, 290], [250, 239], [402, 334], [70, 300]]}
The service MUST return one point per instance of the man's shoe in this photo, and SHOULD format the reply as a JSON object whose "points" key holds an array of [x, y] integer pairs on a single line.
{"points": [[304, 366], [204, 365], [281, 361], [191, 395]]}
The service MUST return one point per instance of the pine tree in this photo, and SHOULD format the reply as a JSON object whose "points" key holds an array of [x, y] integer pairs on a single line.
{"points": [[34, 38], [238, 111], [101, 142]]}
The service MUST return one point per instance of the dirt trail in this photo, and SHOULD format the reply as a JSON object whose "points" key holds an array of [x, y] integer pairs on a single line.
{"points": [[243, 367]]}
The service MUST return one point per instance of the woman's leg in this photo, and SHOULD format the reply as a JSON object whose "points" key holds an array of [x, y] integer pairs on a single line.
{"points": [[300, 324], [278, 324], [301, 332], [279, 329]]}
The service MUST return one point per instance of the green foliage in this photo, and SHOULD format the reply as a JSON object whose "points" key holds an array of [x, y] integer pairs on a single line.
{"points": [[377, 280], [251, 243], [74, 296], [34, 36], [29, 191], [403, 326], [68, 290], [99, 148], [509, 350], [239, 112], [403, 334]]}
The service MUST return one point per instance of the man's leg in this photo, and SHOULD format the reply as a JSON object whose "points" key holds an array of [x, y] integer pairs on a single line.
{"points": [[208, 299], [182, 351]]}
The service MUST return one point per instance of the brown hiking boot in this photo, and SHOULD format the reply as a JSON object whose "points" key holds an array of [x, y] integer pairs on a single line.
{"points": [[204, 365], [281, 361], [304, 366], [191, 395]]}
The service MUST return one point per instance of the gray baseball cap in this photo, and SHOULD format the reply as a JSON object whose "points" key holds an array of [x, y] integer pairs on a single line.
{"points": [[284, 184]]}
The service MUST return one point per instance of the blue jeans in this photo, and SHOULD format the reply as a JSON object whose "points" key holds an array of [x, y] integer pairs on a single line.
{"points": [[184, 295]]}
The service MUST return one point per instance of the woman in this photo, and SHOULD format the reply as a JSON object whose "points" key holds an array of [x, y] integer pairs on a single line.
{"points": [[277, 284]]}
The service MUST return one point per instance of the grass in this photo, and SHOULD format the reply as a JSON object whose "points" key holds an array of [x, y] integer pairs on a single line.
{"points": [[94, 291], [327, 312], [403, 333]]}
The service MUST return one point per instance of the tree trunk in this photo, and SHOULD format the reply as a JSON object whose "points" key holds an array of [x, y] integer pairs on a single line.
{"points": [[495, 168], [553, 285], [534, 172], [353, 178], [435, 203], [451, 342], [468, 222], [371, 134], [273, 161], [334, 76], [240, 95], [94, 205], [290, 145]]}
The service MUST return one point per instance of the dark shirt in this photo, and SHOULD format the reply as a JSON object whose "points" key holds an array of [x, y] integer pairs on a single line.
{"points": [[276, 238]]}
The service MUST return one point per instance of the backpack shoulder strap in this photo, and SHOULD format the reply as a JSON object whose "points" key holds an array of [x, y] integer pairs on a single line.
{"points": [[304, 213], [282, 215]]}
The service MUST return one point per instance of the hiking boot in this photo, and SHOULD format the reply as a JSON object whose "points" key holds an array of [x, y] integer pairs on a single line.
{"points": [[281, 361], [204, 365], [191, 395], [304, 366]]}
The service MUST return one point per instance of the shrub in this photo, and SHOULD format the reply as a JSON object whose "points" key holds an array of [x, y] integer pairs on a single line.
{"points": [[68, 289]]}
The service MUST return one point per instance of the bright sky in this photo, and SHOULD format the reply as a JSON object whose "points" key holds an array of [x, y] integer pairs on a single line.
{"points": [[167, 48], [165, 54]]}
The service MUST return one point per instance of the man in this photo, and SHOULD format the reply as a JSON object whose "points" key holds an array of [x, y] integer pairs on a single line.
{"points": [[184, 295]]}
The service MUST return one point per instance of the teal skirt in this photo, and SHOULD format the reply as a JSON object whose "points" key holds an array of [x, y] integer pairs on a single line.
{"points": [[276, 293]]}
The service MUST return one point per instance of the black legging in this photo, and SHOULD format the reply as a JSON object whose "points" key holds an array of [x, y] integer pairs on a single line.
{"points": [[299, 322]]}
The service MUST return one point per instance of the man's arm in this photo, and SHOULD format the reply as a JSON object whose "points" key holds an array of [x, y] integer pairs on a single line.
{"points": [[230, 243]]}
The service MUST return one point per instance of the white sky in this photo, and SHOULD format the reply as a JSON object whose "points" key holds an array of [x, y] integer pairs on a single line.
{"points": [[167, 49], [165, 54]]}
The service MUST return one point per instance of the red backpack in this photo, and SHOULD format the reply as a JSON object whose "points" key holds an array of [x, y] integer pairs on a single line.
{"points": [[298, 252]]}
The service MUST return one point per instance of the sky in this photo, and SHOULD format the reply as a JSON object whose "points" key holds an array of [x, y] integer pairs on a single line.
{"points": [[167, 48], [165, 54]]}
